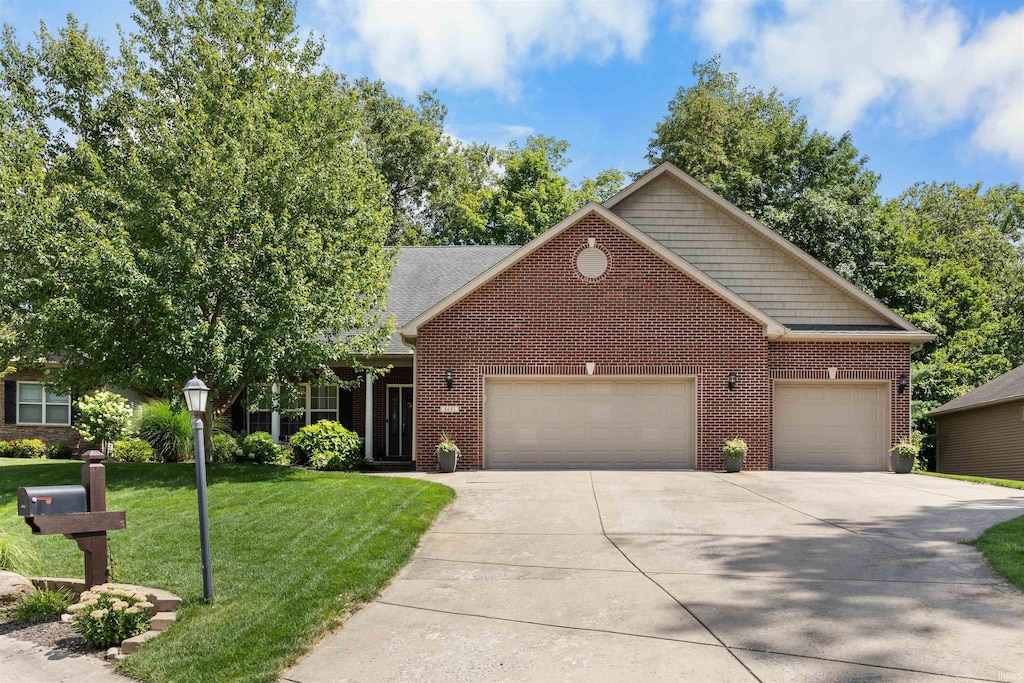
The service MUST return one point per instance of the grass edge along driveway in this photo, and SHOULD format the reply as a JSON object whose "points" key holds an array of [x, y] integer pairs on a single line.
{"points": [[1002, 544], [294, 552]]}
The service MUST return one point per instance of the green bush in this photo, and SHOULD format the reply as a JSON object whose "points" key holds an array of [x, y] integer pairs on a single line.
{"points": [[734, 448], [5, 449], [60, 451], [132, 449], [107, 614], [166, 429], [41, 605], [259, 448], [326, 445], [103, 417], [27, 448], [17, 556], [226, 448]]}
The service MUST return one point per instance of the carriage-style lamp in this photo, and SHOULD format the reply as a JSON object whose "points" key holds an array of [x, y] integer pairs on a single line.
{"points": [[448, 378], [195, 395], [902, 384], [733, 380]]}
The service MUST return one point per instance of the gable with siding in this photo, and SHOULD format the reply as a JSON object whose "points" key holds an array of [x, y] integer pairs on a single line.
{"points": [[737, 257]]}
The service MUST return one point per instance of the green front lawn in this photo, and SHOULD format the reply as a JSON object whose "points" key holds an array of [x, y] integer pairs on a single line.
{"points": [[293, 553], [1003, 544]]}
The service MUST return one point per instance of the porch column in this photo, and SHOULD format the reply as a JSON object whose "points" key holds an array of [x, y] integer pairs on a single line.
{"points": [[275, 415], [368, 429]]}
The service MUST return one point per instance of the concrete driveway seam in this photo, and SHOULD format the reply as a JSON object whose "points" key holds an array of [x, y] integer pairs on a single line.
{"points": [[524, 566], [674, 598], [547, 625]]}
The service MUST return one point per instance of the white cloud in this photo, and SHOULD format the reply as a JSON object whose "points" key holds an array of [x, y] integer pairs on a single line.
{"points": [[475, 44], [850, 59]]}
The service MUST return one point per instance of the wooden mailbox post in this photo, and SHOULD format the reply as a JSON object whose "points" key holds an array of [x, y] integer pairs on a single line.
{"points": [[88, 529]]}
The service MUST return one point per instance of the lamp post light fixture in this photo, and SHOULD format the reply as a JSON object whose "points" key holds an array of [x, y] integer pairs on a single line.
{"points": [[733, 380], [448, 378], [902, 384], [196, 394]]}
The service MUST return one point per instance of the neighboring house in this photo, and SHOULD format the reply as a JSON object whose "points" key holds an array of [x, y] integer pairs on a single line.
{"points": [[641, 333], [982, 432]]}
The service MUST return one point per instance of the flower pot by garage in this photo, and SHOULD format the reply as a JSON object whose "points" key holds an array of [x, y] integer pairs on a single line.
{"points": [[448, 460], [733, 464], [901, 465]]}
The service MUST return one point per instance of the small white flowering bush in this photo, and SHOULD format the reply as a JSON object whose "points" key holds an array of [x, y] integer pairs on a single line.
{"points": [[107, 614], [735, 448]]}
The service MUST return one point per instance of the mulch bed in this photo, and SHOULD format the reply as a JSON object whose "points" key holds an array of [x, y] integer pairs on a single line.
{"points": [[53, 635]]}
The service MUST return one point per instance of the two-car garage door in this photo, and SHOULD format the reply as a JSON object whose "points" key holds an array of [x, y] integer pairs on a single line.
{"points": [[591, 422]]}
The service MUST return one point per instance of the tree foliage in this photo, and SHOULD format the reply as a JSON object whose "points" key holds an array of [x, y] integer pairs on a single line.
{"points": [[757, 151], [206, 201]]}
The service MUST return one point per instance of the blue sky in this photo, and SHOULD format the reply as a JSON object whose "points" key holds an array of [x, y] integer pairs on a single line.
{"points": [[930, 90]]}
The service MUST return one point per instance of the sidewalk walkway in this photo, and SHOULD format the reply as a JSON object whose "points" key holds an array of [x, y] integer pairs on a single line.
{"points": [[30, 663]]}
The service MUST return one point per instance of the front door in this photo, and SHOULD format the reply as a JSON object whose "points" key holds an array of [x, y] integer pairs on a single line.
{"points": [[400, 411]]}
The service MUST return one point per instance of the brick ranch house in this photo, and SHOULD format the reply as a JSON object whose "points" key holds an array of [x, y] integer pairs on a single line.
{"points": [[641, 333]]}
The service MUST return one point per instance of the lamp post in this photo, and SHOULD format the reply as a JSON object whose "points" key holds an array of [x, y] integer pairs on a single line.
{"points": [[196, 393]]}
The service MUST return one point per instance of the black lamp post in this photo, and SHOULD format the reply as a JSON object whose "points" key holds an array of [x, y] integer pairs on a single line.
{"points": [[196, 393]]}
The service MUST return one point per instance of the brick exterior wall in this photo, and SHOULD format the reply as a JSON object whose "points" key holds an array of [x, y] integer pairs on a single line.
{"points": [[642, 312], [48, 433]]}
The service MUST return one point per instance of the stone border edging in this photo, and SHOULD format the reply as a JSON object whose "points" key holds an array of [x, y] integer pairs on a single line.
{"points": [[165, 607]]}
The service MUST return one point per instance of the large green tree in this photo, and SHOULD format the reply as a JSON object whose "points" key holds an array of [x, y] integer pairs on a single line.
{"points": [[954, 265], [214, 204], [757, 151]]}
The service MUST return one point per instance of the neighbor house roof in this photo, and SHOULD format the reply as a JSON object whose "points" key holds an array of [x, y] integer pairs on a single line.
{"points": [[1008, 387], [425, 275]]}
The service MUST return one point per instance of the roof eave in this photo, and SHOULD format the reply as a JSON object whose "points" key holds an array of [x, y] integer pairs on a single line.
{"points": [[940, 411], [908, 337]]}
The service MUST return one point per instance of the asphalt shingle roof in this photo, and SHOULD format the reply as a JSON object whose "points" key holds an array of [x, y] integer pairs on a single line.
{"points": [[424, 276], [1002, 388]]}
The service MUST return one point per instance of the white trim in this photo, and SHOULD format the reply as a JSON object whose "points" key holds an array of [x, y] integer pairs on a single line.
{"points": [[772, 328], [595, 378], [275, 415], [368, 418], [43, 403], [907, 337], [387, 418], [767, 233]]}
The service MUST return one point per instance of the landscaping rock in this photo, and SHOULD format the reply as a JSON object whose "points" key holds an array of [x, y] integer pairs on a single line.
{"points": [[13, 585], [66, 618], [161, 620], [132, 645], [111, 652]]}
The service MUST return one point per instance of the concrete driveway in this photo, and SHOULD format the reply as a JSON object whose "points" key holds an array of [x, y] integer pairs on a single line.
{"points": [[771, 576]]}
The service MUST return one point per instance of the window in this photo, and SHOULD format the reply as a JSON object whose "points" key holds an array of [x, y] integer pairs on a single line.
{"points": [[314, 403], [38, 406]]}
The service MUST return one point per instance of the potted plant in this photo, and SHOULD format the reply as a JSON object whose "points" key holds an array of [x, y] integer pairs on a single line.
{"points": [[733, 453], [447, 453], [904, 454]]}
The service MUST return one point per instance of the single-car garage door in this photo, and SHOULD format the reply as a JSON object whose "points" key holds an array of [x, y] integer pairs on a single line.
{"points": [[589, 423], [831, 426]]}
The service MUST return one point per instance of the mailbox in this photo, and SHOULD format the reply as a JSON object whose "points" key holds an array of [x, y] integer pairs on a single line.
{"points": [[51, 500]]}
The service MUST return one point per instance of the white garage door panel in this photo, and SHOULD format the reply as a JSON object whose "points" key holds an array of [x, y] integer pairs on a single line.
{"points": [[831, 426], [586, 422]]}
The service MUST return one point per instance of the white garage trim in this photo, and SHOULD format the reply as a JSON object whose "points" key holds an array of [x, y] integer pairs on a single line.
{"points": [[881, 460], [691, 380]]}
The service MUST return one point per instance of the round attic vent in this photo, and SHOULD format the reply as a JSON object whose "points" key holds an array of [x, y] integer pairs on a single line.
{"points": [[592, 262]]}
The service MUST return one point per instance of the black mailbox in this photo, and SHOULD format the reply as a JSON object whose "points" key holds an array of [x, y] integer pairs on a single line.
{"points": [[51, 500]]}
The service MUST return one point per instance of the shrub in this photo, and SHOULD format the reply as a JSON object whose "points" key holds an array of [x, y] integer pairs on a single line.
{"points": [[226, 448], [109, 613], [5, 449], [259, 448], [103, 417], [60, 451], [326, 445], [27, 448], [17, 556], [447, 445], [167, 430], [41, 605], [132, 449], [734, 448], [909, 448]]}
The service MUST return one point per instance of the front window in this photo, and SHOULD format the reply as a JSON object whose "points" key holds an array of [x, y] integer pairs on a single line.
{"points": [[39, 406], [313, 403]]}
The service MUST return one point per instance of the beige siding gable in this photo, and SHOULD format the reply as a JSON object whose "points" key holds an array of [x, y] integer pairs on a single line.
{"points": [[736, 256]]}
